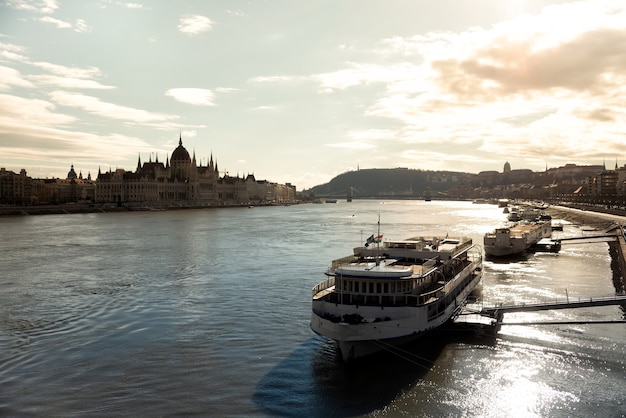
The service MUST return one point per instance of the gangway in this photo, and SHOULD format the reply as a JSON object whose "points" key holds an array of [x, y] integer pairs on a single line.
{"points": [[497, 311], [553, 245], [567, 303], [587, 239]]}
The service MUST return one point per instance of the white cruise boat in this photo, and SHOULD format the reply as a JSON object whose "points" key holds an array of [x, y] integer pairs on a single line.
{"points": [[394, 292]]}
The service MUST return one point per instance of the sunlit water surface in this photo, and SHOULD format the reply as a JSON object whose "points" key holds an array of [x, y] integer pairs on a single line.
{"points": [[206, 313]]}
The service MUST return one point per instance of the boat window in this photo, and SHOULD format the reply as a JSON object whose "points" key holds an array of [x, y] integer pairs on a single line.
{"points": [[378, 289], [386, 288], [371, 288]]}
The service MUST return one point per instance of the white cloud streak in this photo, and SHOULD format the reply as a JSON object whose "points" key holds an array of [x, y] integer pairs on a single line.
{"points": [[39, 6], [95, 106], [194, 96]]}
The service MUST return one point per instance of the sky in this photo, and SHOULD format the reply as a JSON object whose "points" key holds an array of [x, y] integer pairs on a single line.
{"points": [[301, 91]]}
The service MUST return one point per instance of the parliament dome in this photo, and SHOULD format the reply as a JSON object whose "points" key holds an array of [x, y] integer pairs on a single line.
{"points": [[180, 153], [72, 174]]}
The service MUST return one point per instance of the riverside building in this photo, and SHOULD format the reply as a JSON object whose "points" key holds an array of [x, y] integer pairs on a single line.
{"points": [[181, 181]]}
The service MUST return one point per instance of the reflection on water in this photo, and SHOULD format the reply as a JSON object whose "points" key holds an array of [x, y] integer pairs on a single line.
{"points": [[343, 390], [206, 312]]}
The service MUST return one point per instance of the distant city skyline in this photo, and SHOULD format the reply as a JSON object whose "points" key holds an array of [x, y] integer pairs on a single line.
{"points": [[300, 92]]}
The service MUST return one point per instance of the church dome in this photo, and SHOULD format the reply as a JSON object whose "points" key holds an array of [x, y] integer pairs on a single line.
{"points": [[180, 153]]}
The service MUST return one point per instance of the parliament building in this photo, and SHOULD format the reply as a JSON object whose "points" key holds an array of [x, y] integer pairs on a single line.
{"points": [[181, 181]]}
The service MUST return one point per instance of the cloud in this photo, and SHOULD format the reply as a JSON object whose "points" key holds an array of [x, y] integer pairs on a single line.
{"points": [[431, 160], [10, 77], [18, 113], [12, 52], [60, 24], [238, 13], [95, 106], [46, 145], [194, 24], [506, 68], [363, 74], [65, 71], [34, 129], [364, 139], [60, 75], [279, 79], [371, 134], [352, 145], [40, 6], [226, 90], [357, 74], [79, 26], [68, 82], [194, 96]]}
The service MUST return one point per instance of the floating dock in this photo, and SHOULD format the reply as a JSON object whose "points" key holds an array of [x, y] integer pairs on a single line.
{"points": [[547, 245]]}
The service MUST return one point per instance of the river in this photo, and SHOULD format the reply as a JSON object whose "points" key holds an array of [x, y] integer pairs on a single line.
{"points": [[206, 313]]}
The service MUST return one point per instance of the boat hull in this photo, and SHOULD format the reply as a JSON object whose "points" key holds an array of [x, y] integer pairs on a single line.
{"points": [[514, 247]]}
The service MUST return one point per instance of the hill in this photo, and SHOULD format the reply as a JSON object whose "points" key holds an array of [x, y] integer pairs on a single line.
{"points": [[396, 182]]}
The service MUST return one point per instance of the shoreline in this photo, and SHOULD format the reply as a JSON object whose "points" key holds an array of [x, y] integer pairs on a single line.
{"points": [[569, 213], [67, 209], [585, 215]]}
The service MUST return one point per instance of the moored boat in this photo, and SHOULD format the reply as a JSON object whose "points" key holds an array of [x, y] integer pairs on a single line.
{"points": [[395, 292], [516, 239]]}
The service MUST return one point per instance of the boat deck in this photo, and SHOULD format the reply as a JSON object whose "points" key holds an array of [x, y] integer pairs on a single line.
{"points": [[521, 229], [417, 269], [324, 293]]}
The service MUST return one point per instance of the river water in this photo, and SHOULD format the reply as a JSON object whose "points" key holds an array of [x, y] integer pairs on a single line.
{"points": [[206, 313]]}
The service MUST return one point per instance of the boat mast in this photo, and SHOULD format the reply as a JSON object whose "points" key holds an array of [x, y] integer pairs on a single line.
{"points": [[378, 242]]}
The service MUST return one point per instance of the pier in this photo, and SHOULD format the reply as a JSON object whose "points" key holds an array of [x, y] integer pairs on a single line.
{"points": [[615, 236]]}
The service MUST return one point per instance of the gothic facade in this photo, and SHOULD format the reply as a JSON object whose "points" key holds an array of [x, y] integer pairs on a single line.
{"points": [[181, 181]]}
